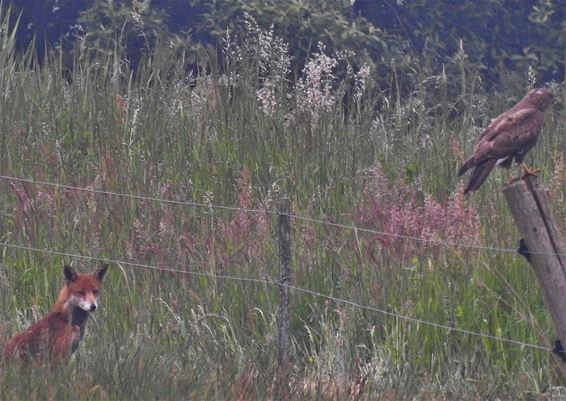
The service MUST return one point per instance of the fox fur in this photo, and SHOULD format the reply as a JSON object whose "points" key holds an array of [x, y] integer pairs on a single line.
{"points": [[58, 334]]}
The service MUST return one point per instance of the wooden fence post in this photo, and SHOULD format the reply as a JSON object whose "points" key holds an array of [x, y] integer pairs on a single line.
{"points": [[540, 235], [283, 315]]}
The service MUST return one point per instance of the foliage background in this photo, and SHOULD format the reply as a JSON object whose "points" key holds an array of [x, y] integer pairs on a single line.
{"points": [[499, 37]]}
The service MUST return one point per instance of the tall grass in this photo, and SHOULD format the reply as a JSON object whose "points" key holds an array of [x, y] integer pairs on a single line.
{"points": [[237, 132]]}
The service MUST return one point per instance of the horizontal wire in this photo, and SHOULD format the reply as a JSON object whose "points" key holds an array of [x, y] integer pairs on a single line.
{"points": [[291, 287], [133, 196], [293, 216]]}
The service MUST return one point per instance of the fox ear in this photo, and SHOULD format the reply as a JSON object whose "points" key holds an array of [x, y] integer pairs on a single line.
{"points": [[101, 272], [70, 274]]}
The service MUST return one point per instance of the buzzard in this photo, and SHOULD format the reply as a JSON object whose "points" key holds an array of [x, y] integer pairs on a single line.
{"points": [[508, 137]]}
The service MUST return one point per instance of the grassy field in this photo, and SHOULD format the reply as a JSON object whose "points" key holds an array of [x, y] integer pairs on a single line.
{"points": [[237, 133]]}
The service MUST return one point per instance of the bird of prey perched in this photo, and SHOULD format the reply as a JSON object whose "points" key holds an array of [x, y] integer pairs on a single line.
{"points": [[509, 136]]}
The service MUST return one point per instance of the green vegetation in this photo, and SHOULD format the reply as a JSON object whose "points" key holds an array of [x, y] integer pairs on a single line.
{"points": [[238, 133]]}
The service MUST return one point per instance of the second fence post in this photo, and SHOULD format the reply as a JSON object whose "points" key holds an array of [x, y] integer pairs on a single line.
{"points": [[283, 314]]}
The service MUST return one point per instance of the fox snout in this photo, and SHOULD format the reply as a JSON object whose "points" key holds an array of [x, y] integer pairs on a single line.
{"points": [[88, 305]]}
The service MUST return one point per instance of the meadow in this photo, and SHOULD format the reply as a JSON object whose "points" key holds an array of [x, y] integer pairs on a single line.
{"points": [[208, 152]]}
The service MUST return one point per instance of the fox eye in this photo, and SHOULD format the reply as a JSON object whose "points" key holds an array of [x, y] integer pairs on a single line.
{"points": [[95, 292]]}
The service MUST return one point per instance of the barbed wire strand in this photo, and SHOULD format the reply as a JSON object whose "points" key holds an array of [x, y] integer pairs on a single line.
{"points": [[291, 287], [451, 244]]}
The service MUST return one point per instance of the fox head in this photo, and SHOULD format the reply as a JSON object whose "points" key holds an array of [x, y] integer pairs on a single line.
{"points": [[81, 290]]}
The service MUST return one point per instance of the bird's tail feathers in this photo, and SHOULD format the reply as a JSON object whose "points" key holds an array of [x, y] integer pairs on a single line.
{"points": [[479, 175], [468, 164]]}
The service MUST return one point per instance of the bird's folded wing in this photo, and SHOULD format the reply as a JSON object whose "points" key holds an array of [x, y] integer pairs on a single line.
{"points": [[514, 133], [507, 121]]}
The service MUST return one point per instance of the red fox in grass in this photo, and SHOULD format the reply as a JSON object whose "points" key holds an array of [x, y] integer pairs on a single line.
{"points": [[58, 334]]}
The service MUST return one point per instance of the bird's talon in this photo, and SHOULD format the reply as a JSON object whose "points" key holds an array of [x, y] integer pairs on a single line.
{"points": [[529, 172]]}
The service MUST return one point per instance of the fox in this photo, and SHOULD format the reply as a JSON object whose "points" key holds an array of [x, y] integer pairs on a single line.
{"points": [[58, 334]]}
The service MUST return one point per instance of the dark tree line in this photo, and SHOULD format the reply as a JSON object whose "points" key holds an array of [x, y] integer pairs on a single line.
{"points": [[496, 35]]}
